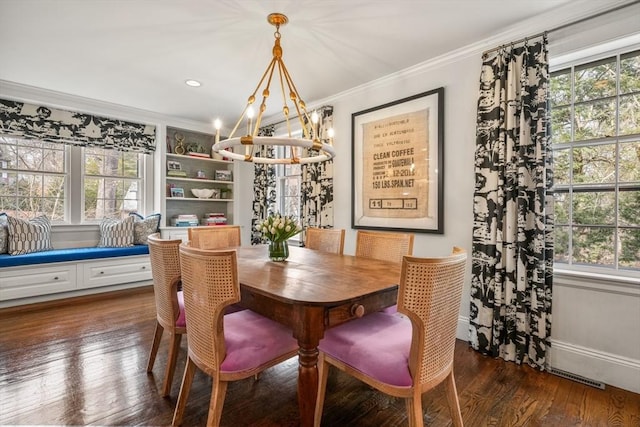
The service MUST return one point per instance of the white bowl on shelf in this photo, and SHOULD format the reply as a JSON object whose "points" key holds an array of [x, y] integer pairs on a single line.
{"points": [[202, 193]]}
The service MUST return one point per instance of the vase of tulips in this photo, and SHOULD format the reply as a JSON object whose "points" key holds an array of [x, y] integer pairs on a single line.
{"points": [[278, 229]]}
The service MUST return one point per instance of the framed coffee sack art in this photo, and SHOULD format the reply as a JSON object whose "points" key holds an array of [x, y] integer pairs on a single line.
{"points": [[397, 171]]}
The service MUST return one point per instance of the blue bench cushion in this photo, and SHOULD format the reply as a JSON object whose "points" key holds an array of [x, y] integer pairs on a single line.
{"points": [[72, 254]]}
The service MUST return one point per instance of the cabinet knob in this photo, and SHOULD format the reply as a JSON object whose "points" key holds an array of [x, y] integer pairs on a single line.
{"points": [[144, 267], [357, 310], [55, 278], [102, 272]]}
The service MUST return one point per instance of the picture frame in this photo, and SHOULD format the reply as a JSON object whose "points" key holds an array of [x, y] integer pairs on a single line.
{"points": [[177, 192], [172, 165], [397, 172], [223, 175]]}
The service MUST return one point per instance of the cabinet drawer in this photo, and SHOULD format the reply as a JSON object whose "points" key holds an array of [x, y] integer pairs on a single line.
{"points": [[114, 271], [22, 282]]}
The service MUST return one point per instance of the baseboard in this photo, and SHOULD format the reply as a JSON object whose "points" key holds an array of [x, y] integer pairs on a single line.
{"points": [[610, 369], [22, 303]]}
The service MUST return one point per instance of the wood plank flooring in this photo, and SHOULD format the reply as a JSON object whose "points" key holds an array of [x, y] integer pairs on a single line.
{"points": [[83, 362]]}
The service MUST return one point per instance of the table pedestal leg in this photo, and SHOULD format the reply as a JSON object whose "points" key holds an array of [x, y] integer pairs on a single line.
{"points": [[308, 331]]}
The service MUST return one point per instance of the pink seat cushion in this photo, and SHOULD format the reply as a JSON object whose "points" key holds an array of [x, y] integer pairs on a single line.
{"points": [[252, 340], [393, 309], [377, 345], [180, 321]]}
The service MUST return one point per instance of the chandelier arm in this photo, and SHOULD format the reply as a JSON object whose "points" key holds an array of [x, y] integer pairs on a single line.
{"points": [[299, 104]]}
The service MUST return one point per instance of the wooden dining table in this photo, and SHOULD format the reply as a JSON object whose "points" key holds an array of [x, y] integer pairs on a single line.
{"points": [[310, 292]]}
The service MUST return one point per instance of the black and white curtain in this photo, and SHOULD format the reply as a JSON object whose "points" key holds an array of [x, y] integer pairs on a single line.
{"points": [[511, 287], [68, 127], [264, 187], [316, 198]]}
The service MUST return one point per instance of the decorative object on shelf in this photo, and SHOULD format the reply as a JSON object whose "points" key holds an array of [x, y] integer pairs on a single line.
{"points": [[278, 229], [214, 218], [179, 174], [184, 220], [173, 165], [177, 192], [225, 193], [179, 148], [223, 175], [202, 193], [200, 174], [311, 139]]}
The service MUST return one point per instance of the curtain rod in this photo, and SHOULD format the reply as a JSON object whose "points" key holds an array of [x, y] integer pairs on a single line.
{"points": [[562, 27]]}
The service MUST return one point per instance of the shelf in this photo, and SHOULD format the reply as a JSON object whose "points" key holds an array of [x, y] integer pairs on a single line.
{"points": [[211, 181], [195, 199], [204, 159]]}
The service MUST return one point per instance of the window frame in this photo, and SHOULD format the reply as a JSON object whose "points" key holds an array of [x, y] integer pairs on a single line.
{"points": [[575, 61], [74, 174]]}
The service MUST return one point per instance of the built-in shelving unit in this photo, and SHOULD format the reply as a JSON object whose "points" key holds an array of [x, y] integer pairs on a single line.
{"points": [[184, 171]]}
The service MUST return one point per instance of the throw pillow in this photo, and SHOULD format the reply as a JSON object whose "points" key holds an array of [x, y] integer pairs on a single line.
{"points": [[144, 227], [116, 234], [4, 234], [29, 236]]}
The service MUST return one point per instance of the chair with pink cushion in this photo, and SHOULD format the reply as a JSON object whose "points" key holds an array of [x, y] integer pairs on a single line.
{"points": [[407, 354], [225, 347], [386, 246], [165, 269]]}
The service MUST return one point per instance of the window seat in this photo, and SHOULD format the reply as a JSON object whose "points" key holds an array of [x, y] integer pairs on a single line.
{"points": [[63, 273], [70, 254]]}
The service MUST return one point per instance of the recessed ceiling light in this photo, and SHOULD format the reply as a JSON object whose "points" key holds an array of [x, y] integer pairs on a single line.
{"points": [[193, 83]]}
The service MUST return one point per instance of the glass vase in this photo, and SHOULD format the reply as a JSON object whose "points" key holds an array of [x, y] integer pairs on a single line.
{"points": [[278, 251]]}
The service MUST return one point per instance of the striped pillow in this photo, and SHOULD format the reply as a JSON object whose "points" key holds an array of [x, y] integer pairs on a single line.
{"points": [[29, 236], [116, 234]]}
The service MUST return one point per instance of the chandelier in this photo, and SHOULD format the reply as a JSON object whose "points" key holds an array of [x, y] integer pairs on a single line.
{"points": [[310, 139]]}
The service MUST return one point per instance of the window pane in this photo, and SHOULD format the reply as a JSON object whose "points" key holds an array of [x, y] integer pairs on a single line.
{"points": [[629, 114], [561, 208], [593, 245], [594, 165], [560, 93], [595, 80], [595, 119], [630, 162], [560, 124], [629, 255], [561, 167], [630, 72], [629, 207], [561, 244], [594, 208]]}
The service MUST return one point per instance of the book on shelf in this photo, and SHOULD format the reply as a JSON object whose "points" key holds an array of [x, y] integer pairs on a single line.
{"points": [[204, 155], [178, 173]]}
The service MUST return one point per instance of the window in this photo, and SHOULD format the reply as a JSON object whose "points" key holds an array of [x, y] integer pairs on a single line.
{"points": [[39, 178], [33, 178], [595, 120], [288, 178], [111, 182]]}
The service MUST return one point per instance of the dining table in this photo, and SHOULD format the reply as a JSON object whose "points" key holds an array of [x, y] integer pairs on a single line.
{"points": [[310, 292]]}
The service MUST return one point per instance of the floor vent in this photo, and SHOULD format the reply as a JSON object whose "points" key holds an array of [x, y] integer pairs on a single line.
{"points": [[577, 378]]}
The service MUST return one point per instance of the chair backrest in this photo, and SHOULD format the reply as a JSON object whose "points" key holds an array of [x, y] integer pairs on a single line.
{"points": [[384, 245], [215, 236], [165, 270], [209, 283], [325, 239], [429, 294]]}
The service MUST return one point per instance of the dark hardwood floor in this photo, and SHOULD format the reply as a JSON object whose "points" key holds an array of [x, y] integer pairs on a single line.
{"points": [[83, 362]]}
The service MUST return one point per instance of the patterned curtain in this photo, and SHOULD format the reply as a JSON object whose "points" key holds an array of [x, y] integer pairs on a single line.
{"points": [[511, 287], [68, 127], [264, 187], [316, 192]]}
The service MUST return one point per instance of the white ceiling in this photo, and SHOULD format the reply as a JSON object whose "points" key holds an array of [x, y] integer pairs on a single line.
{"points": [[138, 53]]}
